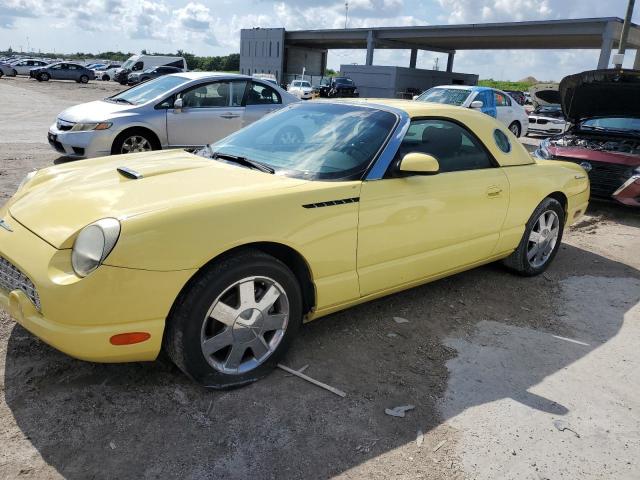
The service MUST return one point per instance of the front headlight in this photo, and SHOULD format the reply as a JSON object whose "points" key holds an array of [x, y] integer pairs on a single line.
{"points": [[93, 245], [83, 127], [543, 151], [26, 179], [556, 121]]}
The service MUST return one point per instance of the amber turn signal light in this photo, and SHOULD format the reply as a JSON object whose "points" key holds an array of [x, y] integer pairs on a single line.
{"points": [[129, 338]]}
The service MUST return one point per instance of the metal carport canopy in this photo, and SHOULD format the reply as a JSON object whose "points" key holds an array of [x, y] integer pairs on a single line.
{"points": [[583, 33]]}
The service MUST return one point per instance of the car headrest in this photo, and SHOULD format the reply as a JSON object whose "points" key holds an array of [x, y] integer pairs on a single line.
{"points": [[441, 141]]}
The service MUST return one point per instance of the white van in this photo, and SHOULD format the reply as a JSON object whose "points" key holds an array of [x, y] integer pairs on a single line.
{"points": [[138, 63]]}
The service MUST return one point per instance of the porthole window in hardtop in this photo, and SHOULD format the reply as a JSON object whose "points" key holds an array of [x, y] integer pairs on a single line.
{"points": [[502, 140]]}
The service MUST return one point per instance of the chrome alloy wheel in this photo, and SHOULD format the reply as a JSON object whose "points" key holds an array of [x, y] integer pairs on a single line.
{"points": [[543, 238], [245, 325], [135, 143]]}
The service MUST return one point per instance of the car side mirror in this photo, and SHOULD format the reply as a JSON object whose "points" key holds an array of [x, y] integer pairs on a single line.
{"points": [[415, 97], [177, 104], [419, 163], [477, 104]]}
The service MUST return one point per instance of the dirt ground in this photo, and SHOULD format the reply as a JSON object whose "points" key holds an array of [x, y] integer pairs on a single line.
{"points": [[511, 378]]}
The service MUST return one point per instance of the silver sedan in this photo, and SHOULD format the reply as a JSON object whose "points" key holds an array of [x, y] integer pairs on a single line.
{"points": [[179, 110]]}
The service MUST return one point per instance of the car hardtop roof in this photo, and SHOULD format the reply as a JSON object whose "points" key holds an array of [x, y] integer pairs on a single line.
{"points": [[410, 107], [212, 75]]}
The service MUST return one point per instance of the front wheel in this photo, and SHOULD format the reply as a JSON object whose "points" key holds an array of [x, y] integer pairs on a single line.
{"points": [[515, 129], [84, 79], [44, 77], [235, 320], [133, 141], [541, 239]]}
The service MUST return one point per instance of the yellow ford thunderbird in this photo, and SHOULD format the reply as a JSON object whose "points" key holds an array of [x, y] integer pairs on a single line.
{"points": [[219, 256]]}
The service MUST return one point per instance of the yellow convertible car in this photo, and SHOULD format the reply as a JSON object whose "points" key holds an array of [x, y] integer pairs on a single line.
{"points": [[219, 256]]}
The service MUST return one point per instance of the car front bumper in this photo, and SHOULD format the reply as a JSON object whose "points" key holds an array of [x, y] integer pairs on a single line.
{"points": [[92, 143], [78, 316], [629, 192]]}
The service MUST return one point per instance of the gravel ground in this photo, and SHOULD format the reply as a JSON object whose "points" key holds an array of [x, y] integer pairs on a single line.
{"points": [[489, 360]]}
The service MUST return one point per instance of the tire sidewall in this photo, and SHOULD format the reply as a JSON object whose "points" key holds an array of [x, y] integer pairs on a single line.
{"points": [[199, 300], [517, 125], [546, 205], [84, 79], [116, 148]]}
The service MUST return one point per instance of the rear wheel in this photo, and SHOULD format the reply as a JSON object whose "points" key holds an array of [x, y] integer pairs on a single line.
{"points": [[234, 322], [105, 78], [44, 77], [84, 79], [541, 239], [15, 73], [515, 129]]}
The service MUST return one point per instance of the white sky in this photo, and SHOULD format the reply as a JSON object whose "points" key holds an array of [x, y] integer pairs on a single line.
{"points": [[210, 27]]}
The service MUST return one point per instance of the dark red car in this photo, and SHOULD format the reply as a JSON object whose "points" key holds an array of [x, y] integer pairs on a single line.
{"points": [[603, 107]]}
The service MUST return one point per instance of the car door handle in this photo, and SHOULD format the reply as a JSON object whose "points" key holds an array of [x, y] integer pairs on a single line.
{"points": [[230, 115], [494, 192]]}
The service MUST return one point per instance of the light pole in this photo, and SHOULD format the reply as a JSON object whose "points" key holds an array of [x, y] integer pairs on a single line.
{"points": [[622, 47]]}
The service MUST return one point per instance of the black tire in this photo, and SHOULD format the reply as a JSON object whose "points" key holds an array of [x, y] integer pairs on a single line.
{"points": [[105, 78], [44, 77], [518, 261], [15, 72], [84, 79], [1, 73], [516, 129], [116, 148], [182, 338]]}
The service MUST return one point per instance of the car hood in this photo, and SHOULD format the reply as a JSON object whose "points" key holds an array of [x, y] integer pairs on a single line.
{"points": [[545, 94], [96, 111], [61, 200], [600, 93]]}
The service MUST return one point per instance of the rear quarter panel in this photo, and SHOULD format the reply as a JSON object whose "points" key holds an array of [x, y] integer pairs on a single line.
{"points": [[531, 184]]}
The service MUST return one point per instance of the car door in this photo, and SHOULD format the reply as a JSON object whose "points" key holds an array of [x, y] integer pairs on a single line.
{"points": [[210, 111], [503, 107], [261, 99], [488, 102], [421, 226], [59, 71]]}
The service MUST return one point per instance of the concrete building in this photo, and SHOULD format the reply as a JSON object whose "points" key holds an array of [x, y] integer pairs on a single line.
{"points": [[280, 52]]}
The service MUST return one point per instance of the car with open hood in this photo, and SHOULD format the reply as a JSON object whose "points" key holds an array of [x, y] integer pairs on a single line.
{"points": [[603, 107], [219, 256], [547, 117], [337, 87]]}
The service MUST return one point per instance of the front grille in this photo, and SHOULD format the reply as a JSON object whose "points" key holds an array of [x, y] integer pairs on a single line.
{"points": [[542, 121], [605, 178], [11, 278], [532, 120]]}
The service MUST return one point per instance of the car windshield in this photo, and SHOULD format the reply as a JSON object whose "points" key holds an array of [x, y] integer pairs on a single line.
{"points": [[147, 91], [127, 64], [344, 81], [315, 142], [303, 84], [612, 123], [450, 96], [549, 109]]}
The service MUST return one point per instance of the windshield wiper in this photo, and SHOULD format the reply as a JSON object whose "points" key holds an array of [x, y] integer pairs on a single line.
{"points": [[244, 161], [122, 100]]}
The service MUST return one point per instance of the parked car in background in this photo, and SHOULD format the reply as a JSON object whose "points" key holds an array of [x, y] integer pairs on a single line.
{"points": [[177, 110], [23, 67], [218, 257], [603, 107], [139, 63], [337, 87], [62, 71], [301, 89], [151, 73], [547, 120], [518, 96], [269, 77], [491, 101], [106, 72], [6, 70]]}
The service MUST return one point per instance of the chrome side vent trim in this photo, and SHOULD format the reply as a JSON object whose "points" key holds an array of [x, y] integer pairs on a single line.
{"points": [[129, 173], [331, 203]]}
